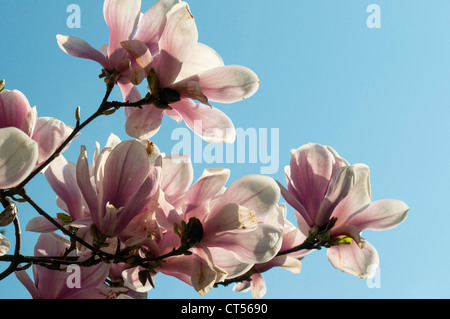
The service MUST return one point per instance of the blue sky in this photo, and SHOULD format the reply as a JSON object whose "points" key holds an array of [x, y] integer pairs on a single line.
{"points": [[377, 96]]}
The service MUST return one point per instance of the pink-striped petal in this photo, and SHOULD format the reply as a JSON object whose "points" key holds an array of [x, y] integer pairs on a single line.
{"points": [[152, 24], [14, 108], [122, 18]]}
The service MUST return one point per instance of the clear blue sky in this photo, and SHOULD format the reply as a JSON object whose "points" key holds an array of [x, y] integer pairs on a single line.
{"points": [[377, 96]]}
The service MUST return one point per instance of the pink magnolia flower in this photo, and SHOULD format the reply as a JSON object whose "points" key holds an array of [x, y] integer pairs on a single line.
{"points": [[165, 39], [58, 284], [108, 194], [326, 191], [185, 70], [229, 220], [26, 141]]}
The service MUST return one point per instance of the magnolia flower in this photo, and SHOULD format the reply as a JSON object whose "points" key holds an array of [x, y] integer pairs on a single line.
{"points": [[108, 194], [229, 220], [328, 193], [164, 42], [26, 141], [185, 70], [61, 283]]}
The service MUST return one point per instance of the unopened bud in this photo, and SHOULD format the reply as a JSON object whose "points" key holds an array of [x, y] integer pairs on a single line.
{"points": [[8, 215], [195, 230], [78, 114], [2, 85]]}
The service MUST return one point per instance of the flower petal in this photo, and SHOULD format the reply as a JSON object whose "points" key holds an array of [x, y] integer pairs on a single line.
{"points": [[201, 59], [49, 133], [228, 84], [18, 155], [79, 48], [381, 215], [358, 197], [125, 170], [354, 260], [4, 245], [152, 24], [61, 175], [144, 123], [256, 192], [140, 52], [14, 108], [122, 18], [311, 169], [41, 225], [210, 123]]}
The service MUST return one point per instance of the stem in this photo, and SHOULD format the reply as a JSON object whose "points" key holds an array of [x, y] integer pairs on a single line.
{"points": [[55, 223], [15, 261]]}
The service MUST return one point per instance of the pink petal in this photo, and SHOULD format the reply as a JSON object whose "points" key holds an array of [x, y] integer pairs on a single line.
{"points": [[311, 169], [14, 108], [257, 246], [180, 32], [381, 215], [228, 84], [258, 285], [140, 52], [358, 197], [62, 178], [231, 217], [144, 123], [342, 182], [204, 189], [201, 59], [85, 185], [25, 279], [152, 24], [122, 18], [49, 133], [256, 192], [125, 170], [210, 123], [204, 272], [41, 225], [354, 260], [81, 49], [176, 176], [29, 123]]}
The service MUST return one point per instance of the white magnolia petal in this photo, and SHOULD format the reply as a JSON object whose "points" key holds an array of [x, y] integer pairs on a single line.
{"points": [[18, 156], [4, 245], [356, 261]]}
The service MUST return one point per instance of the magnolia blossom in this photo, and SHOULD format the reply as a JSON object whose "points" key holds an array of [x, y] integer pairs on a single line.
{"points": [[230, 224], [109, 193], [323, 188], [163, 45], [62, 283], [26, 141], [185, 70]]}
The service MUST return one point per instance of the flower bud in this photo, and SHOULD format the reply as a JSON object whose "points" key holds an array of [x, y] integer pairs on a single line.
{"points": [[8, 215]]}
